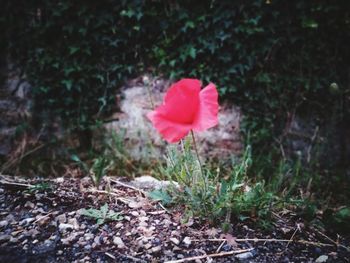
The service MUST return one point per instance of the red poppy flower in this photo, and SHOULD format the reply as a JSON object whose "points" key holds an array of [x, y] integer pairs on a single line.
{"points": [[186, 107]]}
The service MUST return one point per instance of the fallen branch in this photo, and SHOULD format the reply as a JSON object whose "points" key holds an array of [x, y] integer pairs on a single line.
{"points": [[318, 244], [40, 218], [333, 241], [128, 186], [123, 200], [21, 185], [223, 254]]}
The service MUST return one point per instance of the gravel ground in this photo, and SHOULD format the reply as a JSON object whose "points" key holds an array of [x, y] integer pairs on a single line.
{"points": [[47, 225]]}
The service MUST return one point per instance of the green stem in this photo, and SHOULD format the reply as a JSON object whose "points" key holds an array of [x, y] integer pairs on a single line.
{"points": [[196, 150], [150, 95]]}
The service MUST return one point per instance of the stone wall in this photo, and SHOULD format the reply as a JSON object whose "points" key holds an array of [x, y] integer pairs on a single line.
{"points": [[15, 101], [143, 141]]}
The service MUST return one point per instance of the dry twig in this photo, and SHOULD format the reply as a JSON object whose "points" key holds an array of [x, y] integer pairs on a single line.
{"points": [[229, 253], [129, 186], [318, 244]]}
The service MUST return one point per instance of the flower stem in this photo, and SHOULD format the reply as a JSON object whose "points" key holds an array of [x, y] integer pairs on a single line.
{"points": [[196, 150]]}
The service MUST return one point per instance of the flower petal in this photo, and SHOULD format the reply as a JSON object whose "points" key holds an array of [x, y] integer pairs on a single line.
{"points": [[207, 115], [184, 86], [171, 131], [181, 102]]}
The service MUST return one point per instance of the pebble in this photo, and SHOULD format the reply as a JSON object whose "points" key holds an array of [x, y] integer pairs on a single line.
{"points": [[26, 221], [33, 233], [59, 252], [322, 259], [156, 249], [118, 242], [187, 241], [134, 213], [97, 241], [29, 204], [148, 246], [74, 222], [69, 239], [64, 227], [61, 218], [88, 236], [174, 240], [13, 240], [4, 238], [10, 218], [119, 225], [4, 223], [244, 256], [87, 247]]}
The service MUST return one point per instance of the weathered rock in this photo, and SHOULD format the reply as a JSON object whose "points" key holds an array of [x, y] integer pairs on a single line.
{"points": [[4, 223], [322, 259], [244, 256], [29, 205], [219, 142], [61, 218], [26, 221], [64, 227], [4, 238], [174, 240], [147, 182], [74, 223], [118, 242]]}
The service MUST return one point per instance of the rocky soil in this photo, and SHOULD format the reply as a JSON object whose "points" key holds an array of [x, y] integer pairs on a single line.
{"points": [[43, 221]]}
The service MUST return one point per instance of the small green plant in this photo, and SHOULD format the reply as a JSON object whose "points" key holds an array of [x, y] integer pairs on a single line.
{"points": [[102, 215], [99, 168], [212, 195]]}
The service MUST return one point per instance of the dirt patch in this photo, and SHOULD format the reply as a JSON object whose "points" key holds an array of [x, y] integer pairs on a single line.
{"points": [[44, 224]]}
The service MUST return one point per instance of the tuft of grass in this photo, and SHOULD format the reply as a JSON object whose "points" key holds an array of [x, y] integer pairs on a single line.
{"points": [[219, 196]]}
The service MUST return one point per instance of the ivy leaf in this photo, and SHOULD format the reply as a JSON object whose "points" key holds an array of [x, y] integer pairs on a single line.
{"points": [[73, 50], [67, 83]]}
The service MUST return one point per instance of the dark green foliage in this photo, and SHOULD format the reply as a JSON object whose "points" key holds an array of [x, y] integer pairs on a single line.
{"points": [[272, 58]]}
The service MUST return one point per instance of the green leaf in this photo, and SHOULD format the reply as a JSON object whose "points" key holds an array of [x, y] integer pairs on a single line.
{"points": [[104, 210], [73, 50], [193, 52], [68, 84], [159, 195]]}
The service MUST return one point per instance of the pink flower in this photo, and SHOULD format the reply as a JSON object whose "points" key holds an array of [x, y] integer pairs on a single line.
{"points": [[186, 107]]}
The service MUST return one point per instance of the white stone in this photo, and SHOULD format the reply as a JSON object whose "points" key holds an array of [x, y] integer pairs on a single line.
{"points": [[118, 242]]}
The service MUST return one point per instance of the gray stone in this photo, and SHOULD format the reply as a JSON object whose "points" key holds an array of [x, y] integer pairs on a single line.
{"points": [[139, 132], [147, 182], [61, 218], [26, 221], [64, 227], [4, 238], [29, 204], [74, 222], [322, 259], [118, 242], [4, 223], [174, 240], [244, 256], [88, 236]]}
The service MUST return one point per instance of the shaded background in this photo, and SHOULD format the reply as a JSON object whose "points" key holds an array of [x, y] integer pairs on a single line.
{"points": [[285, 63]]}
